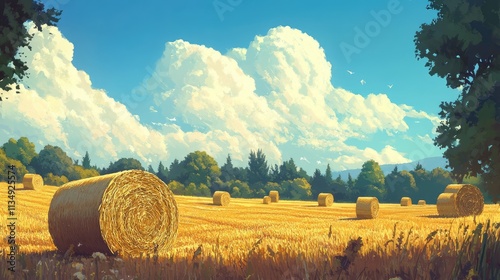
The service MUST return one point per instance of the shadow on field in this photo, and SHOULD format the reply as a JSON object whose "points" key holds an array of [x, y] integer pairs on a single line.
{"points": [[351, 219], [207, 204], [434, 216]]}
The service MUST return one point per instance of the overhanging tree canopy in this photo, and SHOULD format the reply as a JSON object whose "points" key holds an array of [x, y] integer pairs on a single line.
{"points": [[462, 45]]}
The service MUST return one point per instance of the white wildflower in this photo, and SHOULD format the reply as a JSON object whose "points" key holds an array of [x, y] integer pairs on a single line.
{"points": [[79, 275], [101, 256], [78, 266]]}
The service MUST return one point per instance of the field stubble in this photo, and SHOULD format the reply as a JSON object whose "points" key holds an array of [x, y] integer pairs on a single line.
{"points": [[279, 240]]}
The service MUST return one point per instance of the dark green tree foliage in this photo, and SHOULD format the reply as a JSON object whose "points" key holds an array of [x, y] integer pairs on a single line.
{"points": [[227, 170], [13, 35], [438, 180], [22, 150], [239, 189], [328, 174], [162, 172], [318, 183], [462, 45], [86, 161], [124, 164], [339, 189], [370, 181], [288, 171], [176, 172], [241, 173], [258, 170], [52, 159], [151, 170], [200, 168], [399, 184], [274, 173], [303, 174]]}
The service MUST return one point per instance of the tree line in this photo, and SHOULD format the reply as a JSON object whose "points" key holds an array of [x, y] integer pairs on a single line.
{"points": [[199, 174]]}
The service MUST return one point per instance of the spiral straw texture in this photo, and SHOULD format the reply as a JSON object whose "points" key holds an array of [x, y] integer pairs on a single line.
{"points": [[367, 208], [467, 200], [128, 213], [325, 199], [221, 198], [32, 181]]}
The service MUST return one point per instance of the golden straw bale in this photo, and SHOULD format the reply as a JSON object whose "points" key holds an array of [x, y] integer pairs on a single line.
{"points": [[266, 200], [422, 202], [406, 201], [447, 205], [275, 196], [325, 199], [221, 198], [32, 181], [469, 199], [367, 207], [130, 213]]}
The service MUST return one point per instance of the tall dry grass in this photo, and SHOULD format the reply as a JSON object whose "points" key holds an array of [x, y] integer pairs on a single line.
{"points": [[249, 240]]}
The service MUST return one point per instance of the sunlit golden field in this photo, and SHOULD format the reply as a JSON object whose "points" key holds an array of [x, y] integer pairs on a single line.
{"points": [[287, 227]]}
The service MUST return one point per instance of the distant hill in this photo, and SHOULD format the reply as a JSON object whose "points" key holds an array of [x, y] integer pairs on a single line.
{"points": [[427, 164]]}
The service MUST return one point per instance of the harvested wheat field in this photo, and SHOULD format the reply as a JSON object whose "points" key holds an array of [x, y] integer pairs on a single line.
{"points": [[248, 237]]}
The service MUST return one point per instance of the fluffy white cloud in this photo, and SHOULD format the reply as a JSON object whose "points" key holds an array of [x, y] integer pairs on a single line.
{"points": [[63, 109], [388, 155], [412, 113], [275, 93]]}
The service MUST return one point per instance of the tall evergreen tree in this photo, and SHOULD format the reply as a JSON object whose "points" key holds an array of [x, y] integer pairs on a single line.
{"points": [[318, 183], [258, 171], [288, 171], [151, 170], [227, 170], [176, 172], [86, 161], [328, 174]]}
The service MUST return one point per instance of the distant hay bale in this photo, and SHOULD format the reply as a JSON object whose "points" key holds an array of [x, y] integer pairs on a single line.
{"points": [[367, 208], [266, 200], [275, 196], [422, 202], [221, 198], [131, 213], [32, 181], [468, 200], [406, 201], [325, 199]]}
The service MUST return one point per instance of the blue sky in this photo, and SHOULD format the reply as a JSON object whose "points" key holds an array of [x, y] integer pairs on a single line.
{"points": [[120, 96]]}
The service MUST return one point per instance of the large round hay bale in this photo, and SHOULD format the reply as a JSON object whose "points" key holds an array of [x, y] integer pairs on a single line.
{"points": [[406, 201], [274, 195], [367, 208], [266, 200], [221, 198], [447, 205], [422, 202], [469, 199], [32, 181], [325, 199], [130, 213]]}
